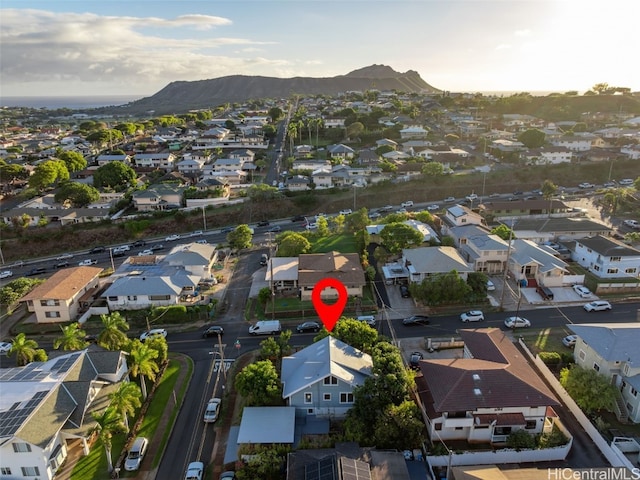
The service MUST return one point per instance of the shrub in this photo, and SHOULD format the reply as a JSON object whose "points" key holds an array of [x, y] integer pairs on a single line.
{"points": [[554, 439], [521, 439], [170, 314], [550, 358]]}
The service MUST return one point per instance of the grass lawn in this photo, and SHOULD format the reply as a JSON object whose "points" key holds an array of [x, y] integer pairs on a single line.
{"points": [[545, 339], [339, 243], [94, 465]]}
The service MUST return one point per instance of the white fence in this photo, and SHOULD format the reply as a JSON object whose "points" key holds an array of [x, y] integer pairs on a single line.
{"points": [[507, 455], [573, 279], [617, 288], [614, 459], [93, 311]]}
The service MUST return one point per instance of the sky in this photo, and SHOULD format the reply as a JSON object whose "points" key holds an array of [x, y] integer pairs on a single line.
{"points": [[112, 47]]}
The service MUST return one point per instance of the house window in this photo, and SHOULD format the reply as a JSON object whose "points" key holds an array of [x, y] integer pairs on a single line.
{"points": [[596, 367], [326, 397], [52, 314], [113, 299], [616, 259], [630, 407], [596, 268], [502, 431], [5, 471], [30, 471], [582, 355], [132, 298], [49, 303], [630, 270], [633, 392], [308, 397], [437, 426], [21, 447], [531, 424], [158, 297], [330, 380], [346, 397]]}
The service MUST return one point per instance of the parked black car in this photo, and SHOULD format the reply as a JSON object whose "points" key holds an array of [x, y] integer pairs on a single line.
{"points": [[139, 243], [263, 223], [62, 264], [308, 327], [416, 320], [298, 218], [36, 271], [98, 250], [213, 331], [404, 291], [157, 246], [414, 360]]}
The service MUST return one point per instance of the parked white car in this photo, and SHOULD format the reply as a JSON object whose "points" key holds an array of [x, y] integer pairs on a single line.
{"points": [[597, 306], [311, 226], [449, 199], [517, 322], [153, 333], [148, 251], [195, 470], [472, 316], [632, 224], [5, 347], [65, 256], [346, 211], [581, 290], [6, 274], [626, 181], [87, 263], [407, 204], [490, 286], [211, 413], [136, 454], [172, 238]]}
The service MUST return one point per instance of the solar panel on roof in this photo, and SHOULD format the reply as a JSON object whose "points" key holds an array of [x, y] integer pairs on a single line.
{"points": [[324, 469], [354, 469]]}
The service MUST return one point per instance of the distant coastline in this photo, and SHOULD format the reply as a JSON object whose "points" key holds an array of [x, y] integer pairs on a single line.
{"points": [[73, 103]]}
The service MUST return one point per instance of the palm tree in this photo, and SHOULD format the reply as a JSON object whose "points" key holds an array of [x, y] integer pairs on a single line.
{"points": [[107, 423], [25, 349], [72, 338], [112, 336], [125, 400], [142, 363]]}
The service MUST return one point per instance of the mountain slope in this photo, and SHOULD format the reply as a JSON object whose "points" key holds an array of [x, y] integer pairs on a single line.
{"points": [[182, 95]]}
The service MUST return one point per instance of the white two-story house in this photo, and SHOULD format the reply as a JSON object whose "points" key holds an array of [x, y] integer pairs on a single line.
{"points": [[612, 350], [486, 253], [162, 161], [606, 257]]}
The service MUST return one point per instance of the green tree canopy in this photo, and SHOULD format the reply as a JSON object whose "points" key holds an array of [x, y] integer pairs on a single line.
{"points": [[276, 113], [12, 171], [16, 289], [292, 244], [590, 390], [24, 349], [72, 338], [116, 175], [78, 194], [261, 192], [73, 160], [258, 382], [433, 169], [357, 221], [447, 288], [503, 232], [532, 138], [112, 336], [397, 236], [47, 173], [548, 189], [240, 237], [352, 332]]}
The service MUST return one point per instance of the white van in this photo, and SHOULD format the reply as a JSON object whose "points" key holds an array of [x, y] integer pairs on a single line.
{"points": [[265, 327], [368, 319]]}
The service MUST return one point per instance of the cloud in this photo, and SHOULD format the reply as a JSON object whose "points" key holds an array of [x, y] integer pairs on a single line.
{"points": [[40, 46], [522, 33], [503, 46]]}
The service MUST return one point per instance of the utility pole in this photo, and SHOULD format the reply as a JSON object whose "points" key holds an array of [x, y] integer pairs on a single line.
{"points": [[273, 286], [506, 268]]}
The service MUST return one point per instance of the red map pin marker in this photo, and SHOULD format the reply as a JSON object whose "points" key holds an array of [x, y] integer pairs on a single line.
{"points": [[329, 314]]}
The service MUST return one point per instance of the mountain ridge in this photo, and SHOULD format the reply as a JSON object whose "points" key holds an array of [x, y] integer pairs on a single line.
{"points": [[183, 95]]}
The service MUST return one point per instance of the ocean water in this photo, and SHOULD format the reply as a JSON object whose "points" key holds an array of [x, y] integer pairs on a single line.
{"points": [[74, 103]]}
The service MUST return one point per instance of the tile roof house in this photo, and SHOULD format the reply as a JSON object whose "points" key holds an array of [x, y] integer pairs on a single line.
{"points": [[319, 380], [158, 197], [63, 295], [606, 257], [345, 267], [45, 405], [486, 395], [425, 262], [612, 350]]}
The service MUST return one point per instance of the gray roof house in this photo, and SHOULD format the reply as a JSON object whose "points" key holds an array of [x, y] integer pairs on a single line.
{"points": [[607, 257], [425, 262], [463, 233], [44, 405], [487, 253], [556, 228], [319, 379], [537, 266], [612, 350]]}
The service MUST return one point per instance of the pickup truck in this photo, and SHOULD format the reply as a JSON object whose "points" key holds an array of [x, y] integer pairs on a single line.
{"points": [[87, 263]]}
